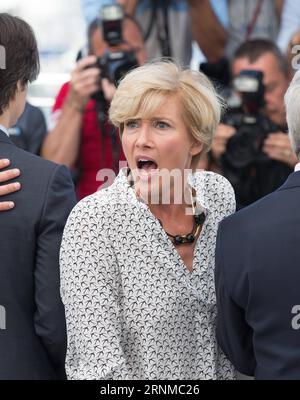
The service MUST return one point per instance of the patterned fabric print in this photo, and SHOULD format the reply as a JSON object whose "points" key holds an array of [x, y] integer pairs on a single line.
{"points": [[133, 309]]}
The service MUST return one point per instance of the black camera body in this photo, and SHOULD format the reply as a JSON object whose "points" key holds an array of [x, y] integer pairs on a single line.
{"points": [[114, 64], [252, 127], [250, 171], [244, 148]]}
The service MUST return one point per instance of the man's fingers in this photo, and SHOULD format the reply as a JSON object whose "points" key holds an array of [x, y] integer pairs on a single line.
{"points": [[10, 188], [278, 135], [81, 86], [87, 86], [86, 74], [85, 62], [279, 145], [279, 139], [89, 91], [225, 131], [109, 89], [4, 162], [6, 205], [9, 174], [283, 154]]}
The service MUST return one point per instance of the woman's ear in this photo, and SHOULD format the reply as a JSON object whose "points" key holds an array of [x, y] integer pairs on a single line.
{"points": [[196, 148]]}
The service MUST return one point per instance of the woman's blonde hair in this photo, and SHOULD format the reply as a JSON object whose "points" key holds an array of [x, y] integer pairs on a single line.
{"points": [[142, 91]]}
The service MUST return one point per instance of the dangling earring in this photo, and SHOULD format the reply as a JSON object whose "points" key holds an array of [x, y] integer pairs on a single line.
{"points": [[138, 193], [192, 200]]}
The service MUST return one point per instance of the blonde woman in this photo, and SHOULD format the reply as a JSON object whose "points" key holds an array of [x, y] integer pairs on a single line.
{"points": [[137, 265]]}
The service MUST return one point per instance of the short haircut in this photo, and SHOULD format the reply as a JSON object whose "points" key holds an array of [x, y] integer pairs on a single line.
{"points": [[256, 48], [292, 104], [142, 91], [21, 57]]}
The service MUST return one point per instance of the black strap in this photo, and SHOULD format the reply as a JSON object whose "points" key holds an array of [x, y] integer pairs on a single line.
{"points": [[164, 40], [107, 131], [254, 18]]}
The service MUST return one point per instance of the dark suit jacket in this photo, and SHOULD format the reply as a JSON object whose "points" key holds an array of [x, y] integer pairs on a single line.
{"points": [[30, 130], [258, 284], [33, 343]]}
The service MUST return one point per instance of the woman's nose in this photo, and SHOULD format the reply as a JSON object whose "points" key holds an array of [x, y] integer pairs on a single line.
{"points": [[144, 138]]}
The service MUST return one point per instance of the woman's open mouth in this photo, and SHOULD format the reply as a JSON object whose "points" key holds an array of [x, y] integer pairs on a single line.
{"points": [[146, 167]]}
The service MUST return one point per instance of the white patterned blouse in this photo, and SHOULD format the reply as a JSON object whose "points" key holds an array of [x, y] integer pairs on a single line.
{"points": [[133, 309]]}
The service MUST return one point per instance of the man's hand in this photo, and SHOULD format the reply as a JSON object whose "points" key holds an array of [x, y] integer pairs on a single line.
{"points": [[8, 188], [62, 144], [84, 82], [222, 135], [109, 89], [277, 146]]}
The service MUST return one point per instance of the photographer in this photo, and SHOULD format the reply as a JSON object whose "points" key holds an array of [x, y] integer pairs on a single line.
{"points": [[277, 159], [81, 137], [166, 25]]}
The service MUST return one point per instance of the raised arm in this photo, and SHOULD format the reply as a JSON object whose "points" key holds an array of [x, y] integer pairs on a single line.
{"points": [[129, 5], [208, 31], [62, 143]]}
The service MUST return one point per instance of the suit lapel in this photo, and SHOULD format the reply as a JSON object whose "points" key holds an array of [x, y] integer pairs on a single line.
{"points": [[4, 138], [292, 181]]}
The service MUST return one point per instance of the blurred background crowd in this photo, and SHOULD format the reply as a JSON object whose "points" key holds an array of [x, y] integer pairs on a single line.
{"points": [[248, 48]]}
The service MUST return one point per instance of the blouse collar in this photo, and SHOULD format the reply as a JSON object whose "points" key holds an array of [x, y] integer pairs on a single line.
{"points": [[195, 180]]}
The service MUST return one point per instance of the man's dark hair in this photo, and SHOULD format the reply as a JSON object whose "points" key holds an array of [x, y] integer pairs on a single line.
{"points": [[21, 57], [255, 48]]}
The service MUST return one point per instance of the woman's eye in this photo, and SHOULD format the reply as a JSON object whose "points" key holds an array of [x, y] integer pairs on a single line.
{"points": [[161, 124], [132, 124]]}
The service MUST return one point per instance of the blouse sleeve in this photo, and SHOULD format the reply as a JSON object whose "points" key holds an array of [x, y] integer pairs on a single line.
{"points": [[229, 197], [221, 195], [90, 294]]}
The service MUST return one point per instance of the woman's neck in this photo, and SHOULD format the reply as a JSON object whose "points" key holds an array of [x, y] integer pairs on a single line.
{"points": [[170, 211], [173, 211]]}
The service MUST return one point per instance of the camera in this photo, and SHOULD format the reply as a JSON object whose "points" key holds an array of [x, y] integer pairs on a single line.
{"points": [[249, 170], [114, 64], [244, 148]]}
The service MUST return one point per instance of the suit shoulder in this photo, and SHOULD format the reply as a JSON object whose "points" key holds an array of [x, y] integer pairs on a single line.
{"points": [[253, 216], [259, 207], [26, 158], [38, 174]]}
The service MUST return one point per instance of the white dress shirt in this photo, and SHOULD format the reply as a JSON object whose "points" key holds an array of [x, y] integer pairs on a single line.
{"points": [[2, 128], [133, 309], [297, 167]]}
